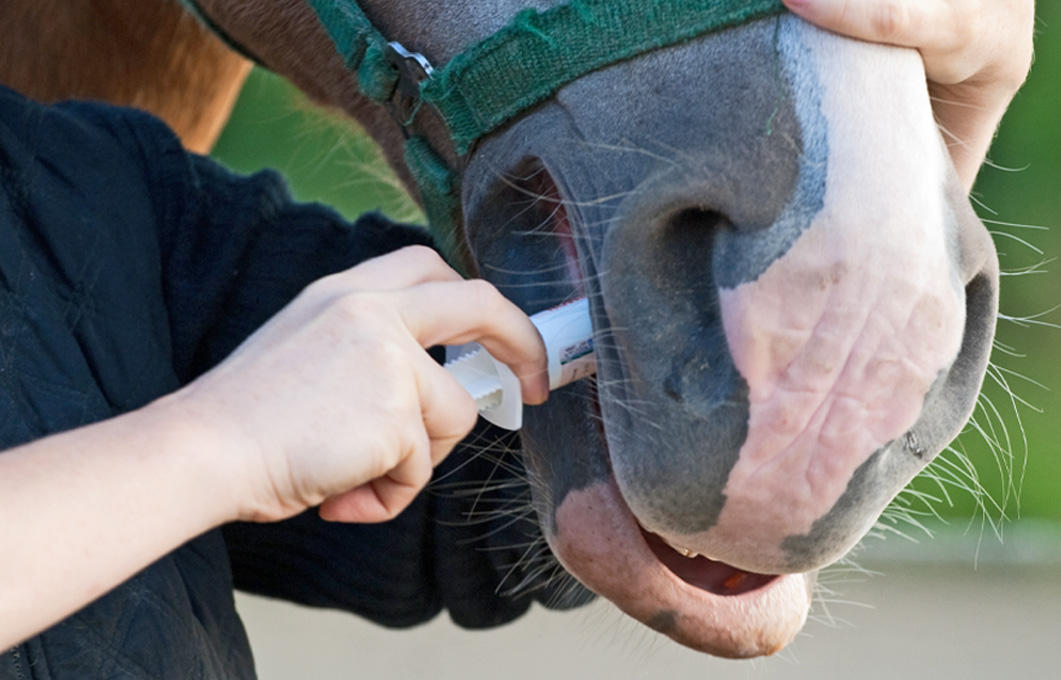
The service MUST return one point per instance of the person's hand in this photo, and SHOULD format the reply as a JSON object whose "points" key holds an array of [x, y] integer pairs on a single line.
{"points": [[335, 401], [976, 52]]}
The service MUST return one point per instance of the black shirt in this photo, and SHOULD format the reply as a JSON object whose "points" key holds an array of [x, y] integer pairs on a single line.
{"points": [[129, 266]]}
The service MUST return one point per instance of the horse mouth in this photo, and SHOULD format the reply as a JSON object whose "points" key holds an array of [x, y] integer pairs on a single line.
{"points": [[699, 571], [698, 602], [703, 572]]}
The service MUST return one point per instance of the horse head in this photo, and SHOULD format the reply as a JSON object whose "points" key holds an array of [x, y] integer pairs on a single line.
{"points": [[793, 300]]}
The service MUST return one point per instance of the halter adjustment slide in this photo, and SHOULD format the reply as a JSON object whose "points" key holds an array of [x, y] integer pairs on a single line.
{"points": [[413, 69]]}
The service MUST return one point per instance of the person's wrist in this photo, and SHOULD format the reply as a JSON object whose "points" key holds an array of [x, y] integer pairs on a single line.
{"points": [[215, 454]]}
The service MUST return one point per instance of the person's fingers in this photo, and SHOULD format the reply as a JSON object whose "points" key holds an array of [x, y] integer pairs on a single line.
{"points": [[445, 309], [960, 40], [446, 414], [908, 23], [403, 268], [406, 412], [456, 313], [447, 411], [383, 498], [404, 442]]}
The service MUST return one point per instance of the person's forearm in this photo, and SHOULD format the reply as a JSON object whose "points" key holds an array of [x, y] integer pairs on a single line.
{"points": [[82, 511]]}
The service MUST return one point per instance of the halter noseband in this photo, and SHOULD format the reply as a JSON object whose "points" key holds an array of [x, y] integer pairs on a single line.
{"points": [[501, 77]]}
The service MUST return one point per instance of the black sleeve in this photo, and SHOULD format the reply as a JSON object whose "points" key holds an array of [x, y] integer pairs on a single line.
{"points": [[246, 249]]}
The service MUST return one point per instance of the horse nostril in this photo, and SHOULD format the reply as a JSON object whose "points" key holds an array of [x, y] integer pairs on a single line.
{"points": [[686, 241], [963, 380], [695, 219]]}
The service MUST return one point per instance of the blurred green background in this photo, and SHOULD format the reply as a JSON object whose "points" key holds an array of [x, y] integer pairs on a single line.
{"points": [[1017, 193]]}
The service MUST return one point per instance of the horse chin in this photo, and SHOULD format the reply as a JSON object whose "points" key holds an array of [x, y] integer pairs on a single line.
{"points": [[700, 603]]}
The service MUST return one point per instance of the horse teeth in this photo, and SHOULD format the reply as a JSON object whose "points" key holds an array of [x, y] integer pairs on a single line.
{"points": [[681, 550]]}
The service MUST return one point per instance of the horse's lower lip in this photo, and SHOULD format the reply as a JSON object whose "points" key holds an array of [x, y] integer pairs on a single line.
{"points": [[598, 539]]}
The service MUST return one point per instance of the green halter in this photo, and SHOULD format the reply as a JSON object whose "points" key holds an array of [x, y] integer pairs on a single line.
{"points": [[501, 77]]}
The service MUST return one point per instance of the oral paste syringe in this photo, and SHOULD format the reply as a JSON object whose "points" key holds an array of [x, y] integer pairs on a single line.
{"points": [[568, 334]]}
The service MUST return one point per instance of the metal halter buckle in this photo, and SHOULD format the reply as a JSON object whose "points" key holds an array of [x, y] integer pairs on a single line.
{"points": [[413, 69]]}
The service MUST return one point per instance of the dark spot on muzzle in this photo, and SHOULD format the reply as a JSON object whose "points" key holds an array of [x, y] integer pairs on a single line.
{"points": [[664, 622]]}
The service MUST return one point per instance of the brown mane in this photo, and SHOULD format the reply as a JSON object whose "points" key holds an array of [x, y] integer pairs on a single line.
{"points": [[149, 54]]}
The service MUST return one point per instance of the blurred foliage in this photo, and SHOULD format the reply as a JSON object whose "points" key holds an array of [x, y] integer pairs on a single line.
{"points": [[324, 157], [328, 160]]}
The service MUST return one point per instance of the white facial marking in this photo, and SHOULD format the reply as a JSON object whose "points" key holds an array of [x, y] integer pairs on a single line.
{"points": [[843, 336]]}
